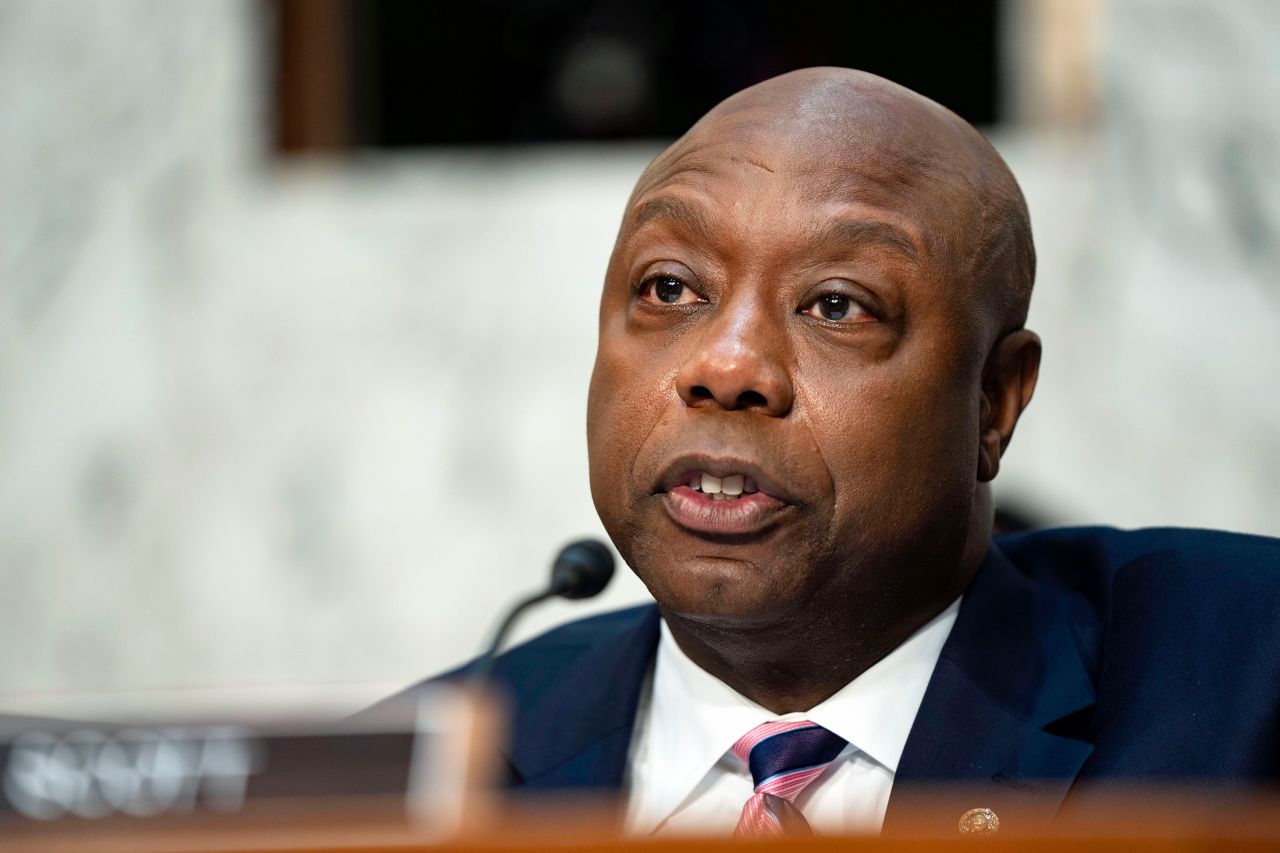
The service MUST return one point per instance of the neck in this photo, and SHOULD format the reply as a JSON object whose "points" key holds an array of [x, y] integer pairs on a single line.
{"points": [[796, 663], [793, 662]]}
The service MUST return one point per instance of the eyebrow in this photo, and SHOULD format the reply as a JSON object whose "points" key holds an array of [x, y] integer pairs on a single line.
{"points": [[839, 232], [864, 232], [688, 216]]}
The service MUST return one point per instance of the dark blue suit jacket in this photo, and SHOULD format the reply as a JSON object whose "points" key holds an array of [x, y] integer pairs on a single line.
{"points": [[1146, 657]]}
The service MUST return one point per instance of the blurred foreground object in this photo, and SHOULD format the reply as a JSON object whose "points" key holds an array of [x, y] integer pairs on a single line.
{"points": [[1119, 822], [428, 780], [421, 778]]}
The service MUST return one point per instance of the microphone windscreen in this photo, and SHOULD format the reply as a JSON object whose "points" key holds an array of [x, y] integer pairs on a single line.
{"points": [[582, 569]]}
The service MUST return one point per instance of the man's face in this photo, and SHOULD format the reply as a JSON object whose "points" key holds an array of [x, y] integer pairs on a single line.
{"points": [[780, 320]]}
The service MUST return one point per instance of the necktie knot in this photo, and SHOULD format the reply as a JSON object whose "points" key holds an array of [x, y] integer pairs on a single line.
{"points": [[783, 759]]}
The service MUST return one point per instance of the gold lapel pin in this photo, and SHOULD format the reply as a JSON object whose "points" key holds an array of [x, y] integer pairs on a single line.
{"points": [[979, 822]]}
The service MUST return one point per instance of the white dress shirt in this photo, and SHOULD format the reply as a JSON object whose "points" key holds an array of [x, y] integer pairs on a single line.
{"points": [[684, 779]]}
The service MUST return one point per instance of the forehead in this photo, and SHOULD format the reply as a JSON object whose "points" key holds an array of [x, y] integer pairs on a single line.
{"points": [[750, 184]]}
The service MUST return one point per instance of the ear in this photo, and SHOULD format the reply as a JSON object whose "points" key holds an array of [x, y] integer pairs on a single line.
{"points": [[1008, 381]]}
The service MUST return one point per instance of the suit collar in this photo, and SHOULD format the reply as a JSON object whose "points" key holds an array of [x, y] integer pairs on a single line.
{"points": [[1010, 669], [580, 723]]}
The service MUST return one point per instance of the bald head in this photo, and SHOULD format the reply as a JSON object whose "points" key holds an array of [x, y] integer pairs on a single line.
{"points": [[905, 148], [810, 363]]}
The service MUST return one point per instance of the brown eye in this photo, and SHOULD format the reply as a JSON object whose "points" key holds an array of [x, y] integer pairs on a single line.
{"points": [[668, 290], [835, 307]]}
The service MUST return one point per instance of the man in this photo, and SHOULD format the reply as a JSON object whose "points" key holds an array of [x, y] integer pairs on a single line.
{"points": [[812, 358]]}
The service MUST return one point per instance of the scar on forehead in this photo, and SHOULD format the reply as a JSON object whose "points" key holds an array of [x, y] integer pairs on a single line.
{"points": [[752, 162], [840, 232]]}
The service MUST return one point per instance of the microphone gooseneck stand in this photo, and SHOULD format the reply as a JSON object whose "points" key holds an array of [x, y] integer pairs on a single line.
{"points": [[581, 570]]}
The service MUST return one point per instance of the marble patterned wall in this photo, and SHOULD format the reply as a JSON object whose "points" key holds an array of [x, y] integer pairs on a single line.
{"points": [[312, 422]]}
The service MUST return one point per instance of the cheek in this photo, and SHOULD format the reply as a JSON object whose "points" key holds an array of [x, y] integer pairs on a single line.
{"points": [[902, 451], [622, 407], [602, 444]]}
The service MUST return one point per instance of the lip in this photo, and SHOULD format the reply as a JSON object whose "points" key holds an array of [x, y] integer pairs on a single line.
{"points": [[676, 473], [698, 513]]}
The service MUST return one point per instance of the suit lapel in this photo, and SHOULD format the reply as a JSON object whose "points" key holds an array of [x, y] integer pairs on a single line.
{"points": [[576, 732], [1010, 669]]}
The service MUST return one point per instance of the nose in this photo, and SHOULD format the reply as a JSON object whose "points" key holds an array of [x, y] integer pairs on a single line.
{"points": [[738, 363]]}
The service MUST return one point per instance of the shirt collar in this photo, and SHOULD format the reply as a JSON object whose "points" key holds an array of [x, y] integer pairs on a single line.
{"points": [[695, 718]]}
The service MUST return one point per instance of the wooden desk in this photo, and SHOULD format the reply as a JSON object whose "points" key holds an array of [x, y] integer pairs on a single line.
{"points": [[1179, 822]]}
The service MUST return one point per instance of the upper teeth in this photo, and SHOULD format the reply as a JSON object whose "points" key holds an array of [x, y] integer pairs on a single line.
{"points": [[723, 487]]}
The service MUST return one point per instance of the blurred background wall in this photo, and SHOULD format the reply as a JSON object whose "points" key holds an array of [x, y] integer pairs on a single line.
{"points": [[293, 357]]}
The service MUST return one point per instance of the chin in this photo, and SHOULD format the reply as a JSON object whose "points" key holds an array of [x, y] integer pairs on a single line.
{"points": [[717, 588]]}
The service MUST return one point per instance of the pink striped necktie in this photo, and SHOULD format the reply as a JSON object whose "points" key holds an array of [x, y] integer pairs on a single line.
{"points": [[783, 759]]}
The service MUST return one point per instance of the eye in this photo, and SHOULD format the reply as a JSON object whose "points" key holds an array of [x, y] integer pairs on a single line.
{"points": [[668, 290], [835, 307]]}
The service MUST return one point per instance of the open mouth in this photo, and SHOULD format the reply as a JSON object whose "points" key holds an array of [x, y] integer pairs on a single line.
{"points": [[723, 501], [722, 488]]}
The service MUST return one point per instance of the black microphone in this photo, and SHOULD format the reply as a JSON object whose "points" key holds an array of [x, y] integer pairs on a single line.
{"points": [[582, 569]]}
